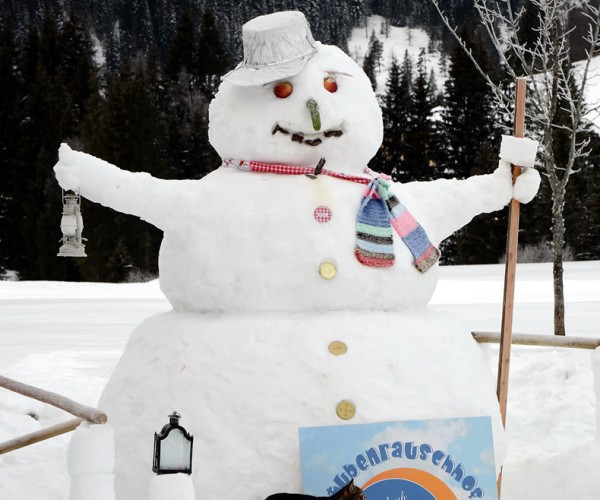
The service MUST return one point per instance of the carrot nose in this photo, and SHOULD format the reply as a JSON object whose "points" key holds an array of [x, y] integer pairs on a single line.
{"points": [[312, 105]]}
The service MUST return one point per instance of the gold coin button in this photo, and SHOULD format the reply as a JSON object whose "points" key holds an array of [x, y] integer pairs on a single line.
{"points": [[327, 269], [337, 348], [345, 410]]}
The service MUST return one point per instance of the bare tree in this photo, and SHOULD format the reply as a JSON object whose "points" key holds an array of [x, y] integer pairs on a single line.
{"points": [[556, 104]]}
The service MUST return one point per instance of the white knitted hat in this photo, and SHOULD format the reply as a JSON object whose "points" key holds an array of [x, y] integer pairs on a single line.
{"points": [[276, 46]]}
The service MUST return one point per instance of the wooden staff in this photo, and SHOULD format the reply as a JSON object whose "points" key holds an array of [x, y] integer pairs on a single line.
{"points": [[510, 269]]}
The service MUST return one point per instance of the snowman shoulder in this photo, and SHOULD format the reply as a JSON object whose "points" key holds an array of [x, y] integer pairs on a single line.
{"points": [[186, 199]]}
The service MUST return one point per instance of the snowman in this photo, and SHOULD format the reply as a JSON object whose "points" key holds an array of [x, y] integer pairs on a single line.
{"points": [[299, 279]]}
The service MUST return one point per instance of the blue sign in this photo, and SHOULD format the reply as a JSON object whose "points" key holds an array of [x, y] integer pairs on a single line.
{"points": [[442, 459]]}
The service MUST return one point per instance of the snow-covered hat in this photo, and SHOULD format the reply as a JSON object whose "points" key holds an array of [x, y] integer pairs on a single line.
{"points": [[276, 46]]}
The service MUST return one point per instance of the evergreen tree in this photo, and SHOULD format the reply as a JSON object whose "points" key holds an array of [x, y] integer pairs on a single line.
{"points": [[369, 69], [76, 53], [188, 96], [49, 48], [16, 189], [396, 106], [406, 71], [182, 46], [9, 123], [191, 156], [212, 61], [384, 161], [372, 59], [113, 46], [421, 143], [467, 117], [583, 216], [30, 56]]}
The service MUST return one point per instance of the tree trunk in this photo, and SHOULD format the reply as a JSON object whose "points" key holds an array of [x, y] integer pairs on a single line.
{"points": [[558, 243]]}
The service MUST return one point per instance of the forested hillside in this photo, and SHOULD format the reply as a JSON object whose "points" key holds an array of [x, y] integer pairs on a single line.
{"points": [[130, 82], [130, 27]]}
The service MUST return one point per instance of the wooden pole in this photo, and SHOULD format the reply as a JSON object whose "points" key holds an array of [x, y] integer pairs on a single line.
{"points": [[86, 412], [41, 435], [510, 269]]}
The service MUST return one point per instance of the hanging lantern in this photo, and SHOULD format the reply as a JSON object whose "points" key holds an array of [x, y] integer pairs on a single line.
{"points": [[71, 226], [173, 448]]}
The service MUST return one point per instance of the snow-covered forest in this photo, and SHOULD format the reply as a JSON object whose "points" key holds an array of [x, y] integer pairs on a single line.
{"points": [[131, 83]]}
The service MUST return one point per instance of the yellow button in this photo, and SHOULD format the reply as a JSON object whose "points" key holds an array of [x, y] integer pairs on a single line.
{"points": [[345, 409], [337, 348], [327, 269]]}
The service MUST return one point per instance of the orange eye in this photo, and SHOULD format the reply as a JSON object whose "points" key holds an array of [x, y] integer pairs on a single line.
{"points": [[283, 90], [330, 84]]}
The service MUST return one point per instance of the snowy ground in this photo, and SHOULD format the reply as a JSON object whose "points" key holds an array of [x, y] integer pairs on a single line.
{"points": [[67, 338]]}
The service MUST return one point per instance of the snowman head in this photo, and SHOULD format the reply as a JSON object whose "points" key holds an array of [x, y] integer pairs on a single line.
{"points": [[294, 101]]}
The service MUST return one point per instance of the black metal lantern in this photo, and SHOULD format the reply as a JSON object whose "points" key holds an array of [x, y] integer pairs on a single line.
{"points": [[173, 448]]}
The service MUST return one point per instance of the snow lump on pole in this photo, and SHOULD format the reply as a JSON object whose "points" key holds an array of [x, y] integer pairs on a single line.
{"points": [[290, 246]]}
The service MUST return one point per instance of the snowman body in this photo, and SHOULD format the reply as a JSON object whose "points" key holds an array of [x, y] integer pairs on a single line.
{"points": [[245, 383], [245, 356], [270, 244]]}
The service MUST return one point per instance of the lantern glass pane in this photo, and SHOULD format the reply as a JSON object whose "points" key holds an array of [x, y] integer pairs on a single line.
{"points": [[68, 224], [175, 451]]}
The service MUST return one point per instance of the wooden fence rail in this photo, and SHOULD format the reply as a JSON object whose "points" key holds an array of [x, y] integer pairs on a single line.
{"points": [[539, 340], [83, 412], [41, 435], [86, 412]]}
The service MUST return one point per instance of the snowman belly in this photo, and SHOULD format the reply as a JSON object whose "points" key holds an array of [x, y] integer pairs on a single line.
{"points": [[245, 383], [265, 252]]}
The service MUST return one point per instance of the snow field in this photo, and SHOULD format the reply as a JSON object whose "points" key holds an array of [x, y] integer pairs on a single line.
{"points": [[67, 338]]}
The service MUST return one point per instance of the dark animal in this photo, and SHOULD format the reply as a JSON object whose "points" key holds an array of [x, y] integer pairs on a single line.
{"points": [[349, 492]]}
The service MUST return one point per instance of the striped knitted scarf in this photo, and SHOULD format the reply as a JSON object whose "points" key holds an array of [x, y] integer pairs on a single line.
{"points": [[379, 212]]}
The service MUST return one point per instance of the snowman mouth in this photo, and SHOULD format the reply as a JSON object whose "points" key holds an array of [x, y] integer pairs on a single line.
{"points": [[308, 139]]}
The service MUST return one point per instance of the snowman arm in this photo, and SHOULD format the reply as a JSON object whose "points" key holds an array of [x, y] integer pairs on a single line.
{"points": [[446, 205], [135, 193]]}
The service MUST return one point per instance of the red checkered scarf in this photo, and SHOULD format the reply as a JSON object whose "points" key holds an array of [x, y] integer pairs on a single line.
{"points": [[276, 168]]}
